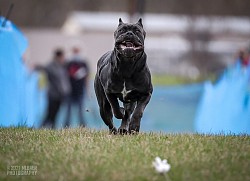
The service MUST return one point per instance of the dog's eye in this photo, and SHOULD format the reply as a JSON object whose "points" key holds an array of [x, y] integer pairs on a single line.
{"points": [[121, 31]]}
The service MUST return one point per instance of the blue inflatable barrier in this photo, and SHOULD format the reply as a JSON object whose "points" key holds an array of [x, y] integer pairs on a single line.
{"points": [[18, 86], [225, 106]]}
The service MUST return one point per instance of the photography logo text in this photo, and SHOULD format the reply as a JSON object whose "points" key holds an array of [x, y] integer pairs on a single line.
{"points": [[19, 170]]}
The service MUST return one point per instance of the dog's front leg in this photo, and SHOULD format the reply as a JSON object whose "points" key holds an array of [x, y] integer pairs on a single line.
{"points": [[115, 105], [134, 125]]}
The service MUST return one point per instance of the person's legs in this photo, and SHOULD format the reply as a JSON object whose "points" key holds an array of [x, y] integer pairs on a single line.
{"points": [[52, 110], [47, 120], [68, 112], [79, 104], [56, 107]]}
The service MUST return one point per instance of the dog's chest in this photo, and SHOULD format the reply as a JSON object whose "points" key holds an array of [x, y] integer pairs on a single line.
{"points": [[125, 91]]}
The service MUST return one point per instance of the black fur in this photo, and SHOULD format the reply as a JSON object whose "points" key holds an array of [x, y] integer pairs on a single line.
{"points": [[123, 74]]}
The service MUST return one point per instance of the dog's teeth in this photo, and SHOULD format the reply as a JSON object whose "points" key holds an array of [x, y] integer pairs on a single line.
{"points": [[129, 44], [123, 47]]}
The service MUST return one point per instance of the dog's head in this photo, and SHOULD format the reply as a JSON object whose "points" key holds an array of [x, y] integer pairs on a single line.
{"points": [[129, 38]]}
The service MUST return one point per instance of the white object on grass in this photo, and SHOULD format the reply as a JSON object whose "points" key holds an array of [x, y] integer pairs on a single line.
{"points": [[161, 166]]}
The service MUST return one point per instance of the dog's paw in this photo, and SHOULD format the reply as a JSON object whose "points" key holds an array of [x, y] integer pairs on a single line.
{"points": [[122, 131], [113, 131], [132, 132], [134, 128]]}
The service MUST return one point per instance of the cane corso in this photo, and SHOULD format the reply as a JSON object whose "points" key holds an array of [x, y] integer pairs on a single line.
{"points": [[123, 74]]}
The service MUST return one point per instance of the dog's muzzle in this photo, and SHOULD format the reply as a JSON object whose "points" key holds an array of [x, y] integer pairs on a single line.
{"points": [[129, 44], [129, 48]]}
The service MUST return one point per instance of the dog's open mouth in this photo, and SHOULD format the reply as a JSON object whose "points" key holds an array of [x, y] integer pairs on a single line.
{"points": [[130, 45]]}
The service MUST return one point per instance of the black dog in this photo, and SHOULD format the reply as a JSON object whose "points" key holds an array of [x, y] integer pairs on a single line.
{"points": [[123, 74]]}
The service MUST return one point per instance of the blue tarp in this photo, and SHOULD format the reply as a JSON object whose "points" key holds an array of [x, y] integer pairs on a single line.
{"points": [[18, 86], [225, 106], [171, 109]]}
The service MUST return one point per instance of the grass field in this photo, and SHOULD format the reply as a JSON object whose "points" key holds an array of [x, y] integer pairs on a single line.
{"points": [[162, 80], [84, 154]]}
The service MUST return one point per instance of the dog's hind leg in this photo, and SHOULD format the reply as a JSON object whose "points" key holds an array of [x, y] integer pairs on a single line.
{"points": [[105, 108], [129, 108]]}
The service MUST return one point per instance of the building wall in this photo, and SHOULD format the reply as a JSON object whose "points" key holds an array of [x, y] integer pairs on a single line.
{"points": [[52, 13]]}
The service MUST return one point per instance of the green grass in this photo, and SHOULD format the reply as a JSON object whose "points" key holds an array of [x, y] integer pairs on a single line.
{"points": [[84, 154], [171, 80], [162, 79]]}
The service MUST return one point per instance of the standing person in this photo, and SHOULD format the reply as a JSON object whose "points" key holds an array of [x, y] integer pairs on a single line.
{"points": [[58, 87], [243, 58], [78, 72]]}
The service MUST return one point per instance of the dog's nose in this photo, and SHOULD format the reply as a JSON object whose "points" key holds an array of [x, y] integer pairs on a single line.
{"points": [[129, 33]]}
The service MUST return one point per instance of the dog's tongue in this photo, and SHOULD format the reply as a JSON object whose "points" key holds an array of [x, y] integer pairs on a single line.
{"points": [[129, 44]]}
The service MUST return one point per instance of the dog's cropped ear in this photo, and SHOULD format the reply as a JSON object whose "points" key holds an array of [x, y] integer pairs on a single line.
{"points": [[140, 22], [120, 22]]}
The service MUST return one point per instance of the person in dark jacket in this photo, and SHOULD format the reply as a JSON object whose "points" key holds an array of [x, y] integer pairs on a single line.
{"points": [[58, 87], [78, 72]]}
